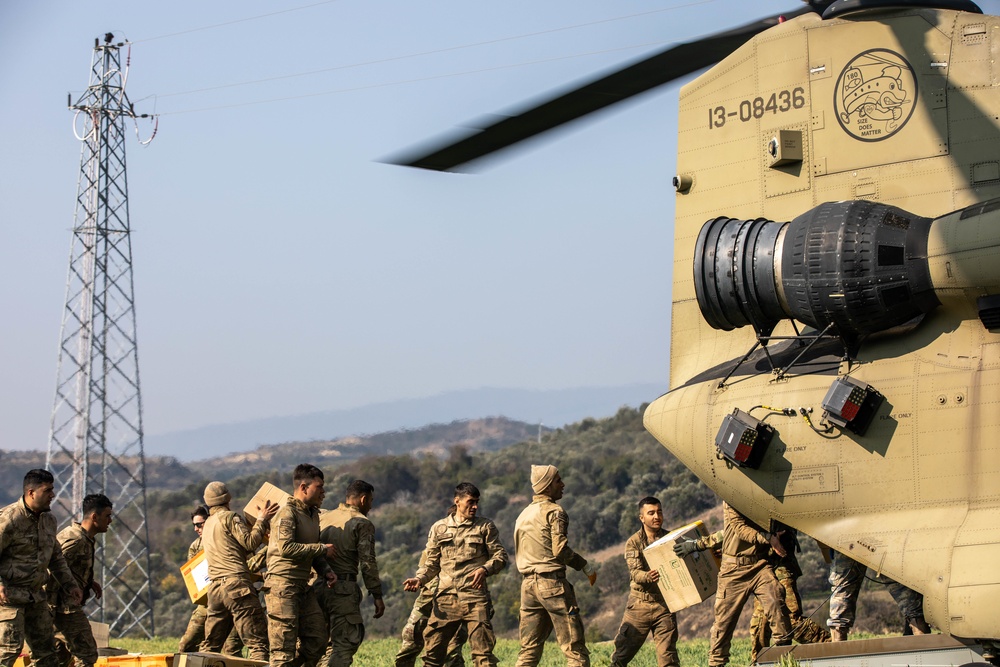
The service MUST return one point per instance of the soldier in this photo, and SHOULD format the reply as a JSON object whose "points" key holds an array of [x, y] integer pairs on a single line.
{"points": [[348, 529], [846, 577], [786, 571], [464, 549], [77, 544], [646, 611], [413, 632], [194, 635], [294, 550], [746, 571], [233, 601], [27, 547], [542, 550]]}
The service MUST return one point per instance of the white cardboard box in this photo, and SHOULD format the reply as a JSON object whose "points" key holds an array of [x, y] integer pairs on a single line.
{"points": [[213, 660], [686, 581], [266, 492]]}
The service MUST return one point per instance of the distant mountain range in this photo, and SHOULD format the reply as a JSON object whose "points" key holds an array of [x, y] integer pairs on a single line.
{"points": [[553, 408]]}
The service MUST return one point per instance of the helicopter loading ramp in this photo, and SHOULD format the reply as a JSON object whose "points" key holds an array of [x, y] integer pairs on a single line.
{"points": [[914, 650]]}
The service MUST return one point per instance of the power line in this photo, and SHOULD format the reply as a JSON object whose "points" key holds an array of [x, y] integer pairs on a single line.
{"points": [[412, 55], [405, 81], [235, 21]]}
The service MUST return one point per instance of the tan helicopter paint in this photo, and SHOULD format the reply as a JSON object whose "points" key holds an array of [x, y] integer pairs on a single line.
{"points": [[918, 496]]}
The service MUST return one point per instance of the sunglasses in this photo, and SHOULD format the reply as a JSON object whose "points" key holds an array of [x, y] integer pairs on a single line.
{"points": [[199, 524]]}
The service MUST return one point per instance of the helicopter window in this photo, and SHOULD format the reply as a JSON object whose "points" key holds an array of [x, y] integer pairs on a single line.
{"points": [[890, 255]]}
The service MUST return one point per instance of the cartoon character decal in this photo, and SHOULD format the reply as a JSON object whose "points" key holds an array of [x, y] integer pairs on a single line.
{"points": [[875, 95]]}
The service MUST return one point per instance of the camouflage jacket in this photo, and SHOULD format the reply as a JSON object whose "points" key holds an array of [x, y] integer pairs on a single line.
{"points": [[455, 549], [541, 542], [638, 569], [294, 549], [742, 540], [713, 541], [228, 544], [194, 548], [353, 535], [78, 550], [28, 551]]}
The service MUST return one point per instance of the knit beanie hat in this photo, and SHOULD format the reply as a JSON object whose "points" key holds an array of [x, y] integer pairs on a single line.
{"points": [[216, 493], [542, 477]]}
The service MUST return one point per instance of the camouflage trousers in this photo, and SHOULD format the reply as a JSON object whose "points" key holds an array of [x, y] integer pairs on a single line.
{"points": [[736, 584], [846, 577], [804, 630], [548, 602], [413, 642], [295, 619], [30, 623], [75, 636], [233, 604], [194, 635], [449, 615], [642, 616], [342, 605]]}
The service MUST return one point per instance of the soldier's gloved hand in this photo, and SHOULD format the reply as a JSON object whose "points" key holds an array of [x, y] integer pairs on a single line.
{"points": [[76, 595], [98, 591], [379, 607], [331, 579], [591, 573], [685, 548]]}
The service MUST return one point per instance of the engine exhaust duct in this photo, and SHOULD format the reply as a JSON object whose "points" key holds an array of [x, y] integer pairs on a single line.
{"points": [[858, 265]]}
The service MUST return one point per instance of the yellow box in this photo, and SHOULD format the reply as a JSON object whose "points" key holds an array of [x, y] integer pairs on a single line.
{"points": [[266, 492], [195, 573], [136, 660], [686, 581], [214, 660]]}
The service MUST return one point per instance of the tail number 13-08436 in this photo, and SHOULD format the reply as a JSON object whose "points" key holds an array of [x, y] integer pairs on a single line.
{"points": [[781, 101]]}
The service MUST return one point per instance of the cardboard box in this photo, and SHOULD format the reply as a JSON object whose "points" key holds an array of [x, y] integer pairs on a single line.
{"points": [[214, 660], [686, 581], [266, 492], [102, 633], [195, 573]]}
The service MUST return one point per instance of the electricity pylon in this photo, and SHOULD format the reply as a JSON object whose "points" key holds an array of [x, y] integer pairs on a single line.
{"points": [[95, 441]]}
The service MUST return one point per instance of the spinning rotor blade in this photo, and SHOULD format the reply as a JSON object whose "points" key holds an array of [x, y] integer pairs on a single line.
{"points": [[656, 70]]}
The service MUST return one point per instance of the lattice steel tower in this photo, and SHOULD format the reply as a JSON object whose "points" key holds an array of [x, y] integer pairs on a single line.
{"points": [[95, 441]]}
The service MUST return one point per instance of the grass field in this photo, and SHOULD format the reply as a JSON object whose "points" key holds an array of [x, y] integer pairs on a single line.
{"points": [[380, 652]]}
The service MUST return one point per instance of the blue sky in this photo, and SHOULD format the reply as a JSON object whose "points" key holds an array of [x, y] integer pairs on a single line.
{"points": [[279, 268]]}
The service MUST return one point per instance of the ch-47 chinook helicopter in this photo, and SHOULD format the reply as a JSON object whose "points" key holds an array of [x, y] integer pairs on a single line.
{"points": [[835, 342]]}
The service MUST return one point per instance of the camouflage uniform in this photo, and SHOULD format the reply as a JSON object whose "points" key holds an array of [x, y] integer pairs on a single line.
{"points": [[548, 601], [194, 635], [645, 611], [456, 548], [846, 577], [233, 602], [787, 571], [745, 571], [353, 535], [413, 631], [70, 620], [28, 552], [293, 612]]}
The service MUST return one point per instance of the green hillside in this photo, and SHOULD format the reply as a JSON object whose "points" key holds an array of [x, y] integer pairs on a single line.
{"points": [[607, 465]]}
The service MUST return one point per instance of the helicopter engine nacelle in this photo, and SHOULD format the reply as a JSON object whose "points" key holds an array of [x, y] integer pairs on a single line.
{"points": [[858, 265]]}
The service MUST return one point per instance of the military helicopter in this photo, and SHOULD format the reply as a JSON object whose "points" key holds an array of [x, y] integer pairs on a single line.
{"points": [[835, 337]]}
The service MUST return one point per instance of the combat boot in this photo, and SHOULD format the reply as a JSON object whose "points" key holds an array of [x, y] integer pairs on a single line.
{"points": [[838, 634], [918, 625]]}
